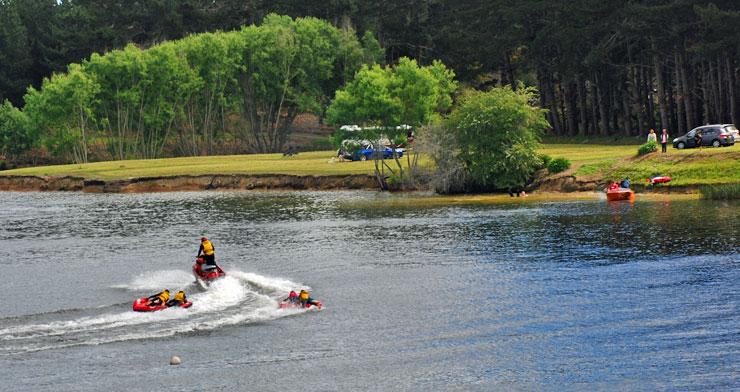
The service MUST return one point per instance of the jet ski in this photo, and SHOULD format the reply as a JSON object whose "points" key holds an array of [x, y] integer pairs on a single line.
{"points": [[142, 305], [205, 275]]}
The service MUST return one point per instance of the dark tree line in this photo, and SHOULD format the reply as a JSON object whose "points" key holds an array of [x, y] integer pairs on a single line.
{"points": [[613, 67]]}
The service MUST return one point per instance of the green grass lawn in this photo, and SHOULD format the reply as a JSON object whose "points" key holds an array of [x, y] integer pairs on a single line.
{"points": [[607, 161], [305, 163], [687, 167]]}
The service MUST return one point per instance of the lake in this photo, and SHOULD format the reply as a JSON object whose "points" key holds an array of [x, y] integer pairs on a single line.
{"points": [[584, 295]]}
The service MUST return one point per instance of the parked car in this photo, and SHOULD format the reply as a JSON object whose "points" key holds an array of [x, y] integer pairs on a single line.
{"points": [[715, 135], [367, 152]]}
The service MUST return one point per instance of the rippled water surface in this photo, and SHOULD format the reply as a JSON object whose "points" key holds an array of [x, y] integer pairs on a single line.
{"points": [[539, 296]]}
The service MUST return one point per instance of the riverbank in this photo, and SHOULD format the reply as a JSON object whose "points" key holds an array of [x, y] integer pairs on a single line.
{"points": [[188, 183], [593, 166]]}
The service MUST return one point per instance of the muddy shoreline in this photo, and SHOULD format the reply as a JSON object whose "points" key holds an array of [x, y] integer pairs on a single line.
{"points": [[187, 183], [552, 184]]}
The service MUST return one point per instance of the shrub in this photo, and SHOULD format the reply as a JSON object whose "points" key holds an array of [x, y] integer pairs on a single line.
{"points": [[558, 165], [496, 136], [721, 192], [647, 148], [545, 160]]}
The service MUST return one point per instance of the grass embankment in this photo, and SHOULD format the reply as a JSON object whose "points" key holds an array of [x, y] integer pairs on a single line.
{"points": [[721, 192], [691, 167], [416, 200], [317, 163], [694, 167]]}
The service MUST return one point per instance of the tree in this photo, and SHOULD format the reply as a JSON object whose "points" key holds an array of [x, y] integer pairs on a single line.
{"points": [[63, 110], [383, 100], [497, 134], [16, 134], [289, 69], [15, 55]]}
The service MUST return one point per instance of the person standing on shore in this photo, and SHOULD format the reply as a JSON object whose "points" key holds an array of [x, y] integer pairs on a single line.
{"points": [[652, 137], [664, 141]]}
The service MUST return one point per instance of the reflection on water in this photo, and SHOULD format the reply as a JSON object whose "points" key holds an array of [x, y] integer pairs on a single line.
{"points": [[559, 296]]}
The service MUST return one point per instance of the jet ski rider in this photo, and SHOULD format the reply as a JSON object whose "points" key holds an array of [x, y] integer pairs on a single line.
{"points": [[292, 298], [209, 253], [159, 298], [304, 298], [178, 300]]}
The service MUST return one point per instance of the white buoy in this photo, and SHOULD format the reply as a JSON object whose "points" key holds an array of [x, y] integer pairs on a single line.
{"points": [[175, 360]]}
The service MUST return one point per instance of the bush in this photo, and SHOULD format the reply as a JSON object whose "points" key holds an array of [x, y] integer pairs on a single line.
{"points": [[721, 192], [558, 165], [497, 136], [545, 160], [647, 148]]}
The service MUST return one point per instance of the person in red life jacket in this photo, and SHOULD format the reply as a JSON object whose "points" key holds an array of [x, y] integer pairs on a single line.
{"points": [[208, 252], [292, 298]]}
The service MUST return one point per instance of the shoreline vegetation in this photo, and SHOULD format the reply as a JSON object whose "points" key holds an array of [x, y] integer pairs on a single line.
{"points": [[593, 166]]}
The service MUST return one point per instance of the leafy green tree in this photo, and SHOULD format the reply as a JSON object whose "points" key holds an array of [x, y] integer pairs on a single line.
{"points": [[16, 134], [497, 134], [381, 100], [289, 69], [216, 58], [63, 111]]}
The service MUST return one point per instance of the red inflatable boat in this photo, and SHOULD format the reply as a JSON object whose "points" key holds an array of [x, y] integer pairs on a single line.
{"points": [[206, 276], [658, 180], [142, 305], [615, 193], [294, 305]]}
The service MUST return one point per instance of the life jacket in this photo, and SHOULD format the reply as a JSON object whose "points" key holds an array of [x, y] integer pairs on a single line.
{"points": [[164, 296], [180, 297], [207, 247], [304, 296]]}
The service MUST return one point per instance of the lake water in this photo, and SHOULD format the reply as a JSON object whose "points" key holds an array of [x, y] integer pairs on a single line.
{"points": [[538, 296]]}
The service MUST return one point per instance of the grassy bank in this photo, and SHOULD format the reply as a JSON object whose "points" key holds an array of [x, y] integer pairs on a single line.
{"points": [[416, 200], [693, 167], [307, 163], [687, 167], [721, 192]]}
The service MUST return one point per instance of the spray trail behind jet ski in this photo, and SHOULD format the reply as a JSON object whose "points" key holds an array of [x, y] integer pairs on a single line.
{"points": [[239, 298]]}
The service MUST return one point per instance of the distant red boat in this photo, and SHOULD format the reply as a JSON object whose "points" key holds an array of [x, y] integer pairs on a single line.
{"points": [[659, 180], [616, 193]]}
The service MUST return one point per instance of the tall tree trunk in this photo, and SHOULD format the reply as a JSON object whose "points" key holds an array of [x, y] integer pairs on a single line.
{"points": [[545, 79], [680, 113], [570, 113], [650, 107], [604, 123], [661, 93], [582, 120], [594, 108], [721, 92], [731, 89], [635, 89], [687, 91], [706, 86], [626, 113]]}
